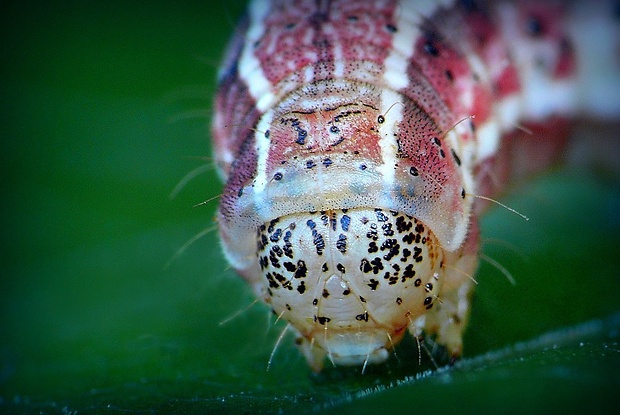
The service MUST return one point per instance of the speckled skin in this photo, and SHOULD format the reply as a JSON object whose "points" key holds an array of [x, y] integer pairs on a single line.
{"points": [[353, 136]]}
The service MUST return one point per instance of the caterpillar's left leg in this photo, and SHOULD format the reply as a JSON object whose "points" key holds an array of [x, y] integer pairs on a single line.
{"points": [[447, 320]]}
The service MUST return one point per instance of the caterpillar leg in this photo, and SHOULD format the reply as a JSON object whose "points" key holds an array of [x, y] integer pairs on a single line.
{"points": [[447, 320]]}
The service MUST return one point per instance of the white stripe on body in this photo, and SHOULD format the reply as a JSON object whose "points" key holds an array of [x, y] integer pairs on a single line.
{"points": [[262, 151], [250, 70]]}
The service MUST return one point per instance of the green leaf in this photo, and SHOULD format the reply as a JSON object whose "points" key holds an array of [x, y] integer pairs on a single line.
{"points": [[98, 313]]}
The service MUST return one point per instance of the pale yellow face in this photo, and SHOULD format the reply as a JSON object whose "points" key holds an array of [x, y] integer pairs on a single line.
{"points": [[350, 282]]}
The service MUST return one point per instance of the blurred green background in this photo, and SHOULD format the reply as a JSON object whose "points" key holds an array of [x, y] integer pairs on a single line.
{"points": [[104, 108]]}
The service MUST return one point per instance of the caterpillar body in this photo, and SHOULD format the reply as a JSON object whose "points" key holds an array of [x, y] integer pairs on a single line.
{"points": [[353, 137]]}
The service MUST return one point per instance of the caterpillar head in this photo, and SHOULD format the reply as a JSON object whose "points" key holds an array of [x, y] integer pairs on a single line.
{"points": [[349, 281]]}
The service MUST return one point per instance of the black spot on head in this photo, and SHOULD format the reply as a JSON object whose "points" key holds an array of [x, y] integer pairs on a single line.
{"points": [[408, 239], [377, 265], [301, 288], [380, 216], [325, 293], [380, 119], [340, 268], [387, 229], [318, 242], [301, 270], [264, 262], [315, 301], [399, 301], [272, 281], [277, 250], [324, 217], [323, 320], [372, 247], [272, 224], [417, 282], [344, 222], [372, 234], [362, 317], [416, 254], [274, 261], [341, 243], [408, 273], [402, 225]]}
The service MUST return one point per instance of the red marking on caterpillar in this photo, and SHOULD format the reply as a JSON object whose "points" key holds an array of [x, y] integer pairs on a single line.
{"points": [[353, 136]]}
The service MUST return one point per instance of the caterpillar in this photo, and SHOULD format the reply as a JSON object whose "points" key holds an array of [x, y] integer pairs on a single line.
{"points": [[359, 142]]}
